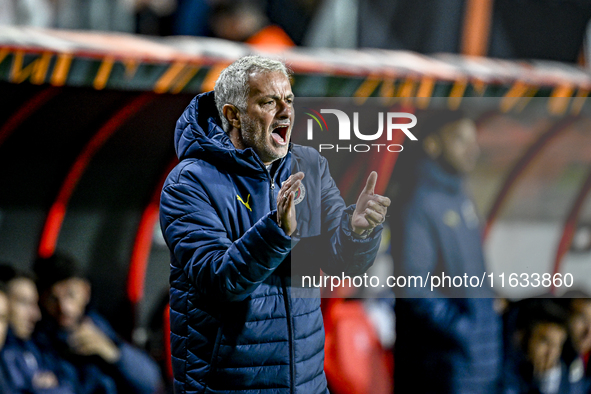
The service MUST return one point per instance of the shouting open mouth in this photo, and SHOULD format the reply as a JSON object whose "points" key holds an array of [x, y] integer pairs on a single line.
{"points": [[279, 134]]}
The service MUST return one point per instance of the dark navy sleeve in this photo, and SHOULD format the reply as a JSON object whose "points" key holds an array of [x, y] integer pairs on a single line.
{"points": [[348, 254], [4, 381], [21, 367], [138, 370], [215, 265], [135, 368], [19, 375]]}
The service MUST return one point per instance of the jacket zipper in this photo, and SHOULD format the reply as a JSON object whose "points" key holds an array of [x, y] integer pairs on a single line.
{"points": [[286, 298], [272, 191]]}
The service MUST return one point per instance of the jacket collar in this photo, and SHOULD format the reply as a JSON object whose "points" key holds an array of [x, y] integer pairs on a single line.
{"points": [[432, 173]]}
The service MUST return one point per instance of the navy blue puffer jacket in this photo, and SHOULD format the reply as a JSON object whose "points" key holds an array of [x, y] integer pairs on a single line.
{"points": [[237, 325], [449, 339]]}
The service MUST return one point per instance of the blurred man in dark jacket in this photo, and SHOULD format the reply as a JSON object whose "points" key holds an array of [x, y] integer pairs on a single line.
{"points": [[536, 334], [577, 304], [228, 214], [4, 317], [448, 340], [105, 363], [29, 367]]}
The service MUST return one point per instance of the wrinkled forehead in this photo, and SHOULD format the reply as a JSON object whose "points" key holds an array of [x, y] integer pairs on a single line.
{"points": [[268, 83]]}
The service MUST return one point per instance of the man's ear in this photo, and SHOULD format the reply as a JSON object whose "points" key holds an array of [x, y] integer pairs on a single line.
{"points": [[432, 146], [232, 114]]}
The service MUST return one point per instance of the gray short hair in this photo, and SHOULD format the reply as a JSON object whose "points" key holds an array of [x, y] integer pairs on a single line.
{"points": [[232, 84]]}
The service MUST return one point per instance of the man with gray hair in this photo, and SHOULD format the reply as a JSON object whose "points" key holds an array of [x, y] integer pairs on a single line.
{"points": [[228, 216]]}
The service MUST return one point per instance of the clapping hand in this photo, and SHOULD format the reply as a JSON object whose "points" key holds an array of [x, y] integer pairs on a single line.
{"points": [[286, 215]]}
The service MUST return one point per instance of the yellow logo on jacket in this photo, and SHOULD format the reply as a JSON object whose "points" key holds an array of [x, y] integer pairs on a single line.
{"points": [[245, 203], [451, 218]]}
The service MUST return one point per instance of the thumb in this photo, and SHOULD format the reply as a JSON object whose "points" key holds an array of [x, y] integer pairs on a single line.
{"points": [[370, 185]]}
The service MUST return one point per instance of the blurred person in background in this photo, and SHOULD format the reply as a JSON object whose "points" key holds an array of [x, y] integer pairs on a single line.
{"points": [[158, 17], [533, 363], [294, 16], [30, 368], [191, 18], [448, 340], [578, 306], [83, 337], [245, 21], [4, 311]]}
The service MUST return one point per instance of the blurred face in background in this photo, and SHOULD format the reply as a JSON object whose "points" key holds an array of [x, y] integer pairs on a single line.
{"points": [[545, 346], [66, 301], [580, 325], [236, 21], [24, 310], [3, 317], [459, 145], [454, 146]]}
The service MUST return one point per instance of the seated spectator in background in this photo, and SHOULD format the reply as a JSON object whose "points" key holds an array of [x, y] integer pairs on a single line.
{"points": [[3, 314], [83, 337], [4, 382], [191, 18], [576, 354], [245, 21], [29, 368], [533, 359]]}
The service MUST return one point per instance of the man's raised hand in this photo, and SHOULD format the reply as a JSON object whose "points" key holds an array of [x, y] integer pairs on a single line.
{"points": [[371, 208], [286, 215]]}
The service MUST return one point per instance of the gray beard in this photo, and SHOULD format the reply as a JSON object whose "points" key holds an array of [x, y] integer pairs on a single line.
{"points": [[257, 141]]}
